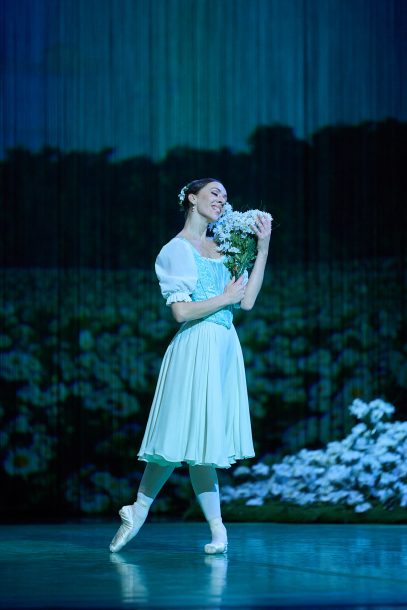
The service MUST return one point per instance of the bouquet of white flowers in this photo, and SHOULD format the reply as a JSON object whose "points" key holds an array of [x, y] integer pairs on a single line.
{"points": [[236, 239]]}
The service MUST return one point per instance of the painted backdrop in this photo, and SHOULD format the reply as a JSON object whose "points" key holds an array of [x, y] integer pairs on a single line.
{"points": [[107, 109]]}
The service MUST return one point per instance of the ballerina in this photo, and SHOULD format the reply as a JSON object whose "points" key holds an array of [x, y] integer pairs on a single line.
{"points": [[200, 411]]}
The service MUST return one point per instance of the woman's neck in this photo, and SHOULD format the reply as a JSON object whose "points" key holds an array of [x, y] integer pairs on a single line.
{"points": [[195, 228]]}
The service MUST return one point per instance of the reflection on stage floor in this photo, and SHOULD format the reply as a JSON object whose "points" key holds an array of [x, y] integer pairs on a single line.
{"points": [[267, 566]]}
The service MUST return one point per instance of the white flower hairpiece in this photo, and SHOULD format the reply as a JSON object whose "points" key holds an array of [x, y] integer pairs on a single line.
{"points": [[181, 195]]}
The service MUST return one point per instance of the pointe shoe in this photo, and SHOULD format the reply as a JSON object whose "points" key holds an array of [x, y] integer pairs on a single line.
{"points": [[211, 548], [131, 524], [219, 543]]}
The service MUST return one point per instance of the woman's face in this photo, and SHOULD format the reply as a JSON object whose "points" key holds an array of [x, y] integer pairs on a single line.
{"points": [[210, 201]]}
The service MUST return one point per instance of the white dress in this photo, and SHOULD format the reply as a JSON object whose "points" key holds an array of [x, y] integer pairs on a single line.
{"points": [[200, 412]]}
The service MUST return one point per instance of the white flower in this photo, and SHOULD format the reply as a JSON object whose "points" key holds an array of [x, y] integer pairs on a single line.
{"points": [[384, 408], [371, 461], [241, 471], [260, 469], [359, 429], [276, 489], [389, 458], [255, 502], [235, 235], [338, 473], [306, 498], [181, 195], [374, 412], [282, 471], [362, 443], [384, 494], [388, 478], [359, 408], [350, 456], [362, 508], [354, 497], [336, 496], [228, 493], [366, 478], [334, 448]]}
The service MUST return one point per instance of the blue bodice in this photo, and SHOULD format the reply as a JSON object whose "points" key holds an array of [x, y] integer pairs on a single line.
{"points": [[212, 279]]}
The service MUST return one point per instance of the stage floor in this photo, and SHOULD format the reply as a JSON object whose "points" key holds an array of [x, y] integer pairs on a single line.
{"points": [[267, 566]]}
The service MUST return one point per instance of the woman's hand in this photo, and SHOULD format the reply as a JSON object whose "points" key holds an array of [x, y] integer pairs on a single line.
{"points": [[235, 290], [195, 310], [262, 228]]}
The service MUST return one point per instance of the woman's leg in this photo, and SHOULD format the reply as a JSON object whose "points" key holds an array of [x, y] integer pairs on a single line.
{"points": [[154, 478], [134, 515], [204, 481]]}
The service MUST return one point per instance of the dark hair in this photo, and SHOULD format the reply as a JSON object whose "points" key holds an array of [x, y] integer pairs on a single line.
{"points": [[193, 188]]}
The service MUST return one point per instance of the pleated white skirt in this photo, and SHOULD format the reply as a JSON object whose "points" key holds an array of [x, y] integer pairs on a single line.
{"points": [[200, 412]]}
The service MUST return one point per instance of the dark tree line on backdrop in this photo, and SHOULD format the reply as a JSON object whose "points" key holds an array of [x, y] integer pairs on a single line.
{"points": [[341, 194]]}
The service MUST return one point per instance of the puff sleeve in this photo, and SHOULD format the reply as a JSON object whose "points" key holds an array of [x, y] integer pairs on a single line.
{"points": [[176, 271]]}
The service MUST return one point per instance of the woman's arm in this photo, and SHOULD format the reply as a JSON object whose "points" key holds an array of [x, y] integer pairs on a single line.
{"points": [[262, 229], [194, 310]]}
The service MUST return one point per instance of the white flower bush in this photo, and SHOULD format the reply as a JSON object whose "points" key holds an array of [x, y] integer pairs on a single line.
{"points": [[368, 466]]}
